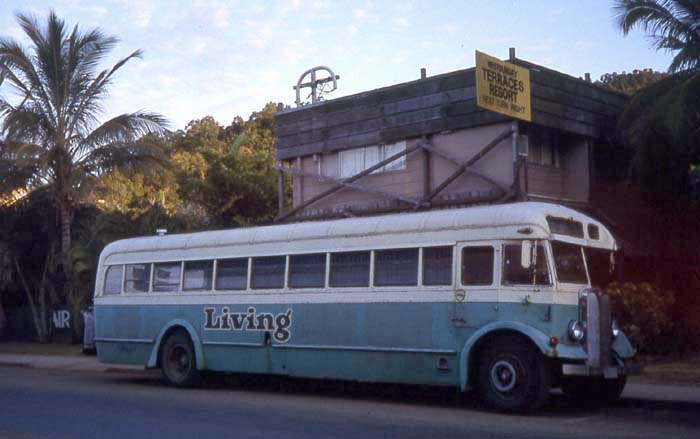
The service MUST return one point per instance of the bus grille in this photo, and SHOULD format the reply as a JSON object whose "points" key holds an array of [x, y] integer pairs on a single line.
{"points": [[595, 313]]}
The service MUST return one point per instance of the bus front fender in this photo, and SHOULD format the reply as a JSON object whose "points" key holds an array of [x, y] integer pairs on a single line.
{"points": [[196, 343], [540, 339]]}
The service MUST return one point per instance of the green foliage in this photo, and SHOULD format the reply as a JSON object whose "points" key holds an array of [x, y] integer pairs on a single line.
{"points": [[630, 83], [228, 172], [671, 25], [51, 110], [644, 312], [660, 122]]}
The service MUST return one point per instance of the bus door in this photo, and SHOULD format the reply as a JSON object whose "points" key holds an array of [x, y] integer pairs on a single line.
{"points": [[476, 292]]}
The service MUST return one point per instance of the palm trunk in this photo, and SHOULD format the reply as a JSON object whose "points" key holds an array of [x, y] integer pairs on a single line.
{"points": [[66, 220]]}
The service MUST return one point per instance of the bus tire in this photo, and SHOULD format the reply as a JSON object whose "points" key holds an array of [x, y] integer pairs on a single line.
{"points": [[178, 361], [512, 376]]}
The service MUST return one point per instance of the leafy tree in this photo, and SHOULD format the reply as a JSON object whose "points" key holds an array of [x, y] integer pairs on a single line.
{"points": [[51, 120], [229, 171], [661, 122], [630, 83]]}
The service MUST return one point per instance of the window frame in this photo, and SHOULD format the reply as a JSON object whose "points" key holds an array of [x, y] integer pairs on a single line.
{"points": [[246, 287], [421, 266], [150, 278], [184, 269], [370, 277], [121, 282], [374, 267], [178, 289], [288, 284], [550, 268], [285, 272], [494, 264]]}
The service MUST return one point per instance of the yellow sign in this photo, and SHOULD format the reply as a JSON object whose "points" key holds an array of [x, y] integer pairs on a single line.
{"points": [[502, 87]]}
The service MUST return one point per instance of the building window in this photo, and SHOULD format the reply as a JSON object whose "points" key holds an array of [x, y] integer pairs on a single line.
{"points": [[396, 267], [354, 161], [350, 269], [232, 274], [113, 280], [268, 272], [477, 265], [138, 276], [198, 275], [437, 266], [307, 271], [167, 277], [541, 147]]}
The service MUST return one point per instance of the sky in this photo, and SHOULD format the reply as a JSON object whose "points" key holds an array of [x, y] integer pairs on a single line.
{"points": [[228, 58]]}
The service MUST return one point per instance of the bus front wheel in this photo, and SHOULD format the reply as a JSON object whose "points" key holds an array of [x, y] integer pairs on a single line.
{"points": [[512, 376], [178, 361]]}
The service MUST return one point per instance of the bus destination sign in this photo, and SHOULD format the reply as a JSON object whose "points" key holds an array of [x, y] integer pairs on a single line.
{"points": [[502, 87]]}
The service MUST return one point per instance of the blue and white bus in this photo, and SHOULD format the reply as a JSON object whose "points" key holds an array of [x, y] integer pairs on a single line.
{"points": [[497, 298]]}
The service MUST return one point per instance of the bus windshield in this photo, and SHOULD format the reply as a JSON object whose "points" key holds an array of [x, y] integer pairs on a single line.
{"points": [[568, 262]]}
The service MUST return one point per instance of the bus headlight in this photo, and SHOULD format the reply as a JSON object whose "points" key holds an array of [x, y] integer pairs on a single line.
{"points": [[615, 329], [576, 330]]}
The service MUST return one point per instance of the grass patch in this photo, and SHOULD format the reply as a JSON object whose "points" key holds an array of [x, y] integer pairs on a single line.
{"points": [[686, 371], [39, 349]]}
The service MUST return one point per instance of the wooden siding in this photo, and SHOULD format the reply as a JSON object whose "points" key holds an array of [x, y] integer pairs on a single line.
{"points": [[437, 104]]}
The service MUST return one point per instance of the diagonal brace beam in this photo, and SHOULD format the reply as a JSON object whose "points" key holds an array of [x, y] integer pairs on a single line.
{"points": [[469, 163], [355, 186], [341, 184]]}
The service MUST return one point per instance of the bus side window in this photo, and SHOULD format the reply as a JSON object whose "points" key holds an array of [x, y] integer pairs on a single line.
{"points": [[350, 269], [113, 280], [477, 265], [198, 275], [515, 274], [307, 271], [268, 272], [232, 274], [437, 266], [138, 276], [396, 267], [167, 276]]}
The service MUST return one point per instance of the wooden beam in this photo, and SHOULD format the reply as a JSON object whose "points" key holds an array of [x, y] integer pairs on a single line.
{"points": [[464, 166], [341, 183], [355, 186]]}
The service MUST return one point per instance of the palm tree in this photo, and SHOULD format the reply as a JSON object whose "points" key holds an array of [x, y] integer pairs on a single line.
{"points": [[50, 118], [661, 122]]}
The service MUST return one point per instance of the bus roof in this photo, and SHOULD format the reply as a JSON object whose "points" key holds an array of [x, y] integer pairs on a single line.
{"points": [[524, 214]]}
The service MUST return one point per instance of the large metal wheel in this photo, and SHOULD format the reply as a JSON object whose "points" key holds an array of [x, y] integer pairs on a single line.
{"points": [[512, 376], [178, 361]]}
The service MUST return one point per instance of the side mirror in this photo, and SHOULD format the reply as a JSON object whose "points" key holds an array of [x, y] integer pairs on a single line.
{"points": [[526, 254]]}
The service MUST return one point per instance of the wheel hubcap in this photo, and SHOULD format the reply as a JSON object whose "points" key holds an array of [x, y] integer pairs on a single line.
{"points": [[503, 376]]}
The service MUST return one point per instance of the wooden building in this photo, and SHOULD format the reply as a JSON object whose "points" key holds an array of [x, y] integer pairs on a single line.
{"points": [[426, 144]]}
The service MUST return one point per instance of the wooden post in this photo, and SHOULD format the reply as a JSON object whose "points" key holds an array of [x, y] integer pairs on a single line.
{"points": [[516, 159], [426, 170], [280, 191]]}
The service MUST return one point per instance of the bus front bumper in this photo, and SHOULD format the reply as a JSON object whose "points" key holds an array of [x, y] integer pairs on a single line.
{"points": [[610, 372]]}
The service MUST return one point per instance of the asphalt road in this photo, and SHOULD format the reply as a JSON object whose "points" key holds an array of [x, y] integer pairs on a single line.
{"points": [[40, 403]]}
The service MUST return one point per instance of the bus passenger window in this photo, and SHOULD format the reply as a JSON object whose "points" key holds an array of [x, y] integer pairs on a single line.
{"points": [[138, 276], [515, 274], [396, 267], [167, 277], [307, 271], [232, 274], [113, 280], [350, 269], [477, 265], [437, 266], [268, 272], [198, 275]]}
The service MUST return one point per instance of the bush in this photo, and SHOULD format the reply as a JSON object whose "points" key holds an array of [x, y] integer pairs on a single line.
{"points": [[644, 313]]}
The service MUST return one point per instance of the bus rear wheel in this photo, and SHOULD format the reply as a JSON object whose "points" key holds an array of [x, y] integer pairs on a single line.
{"points": [[512, 376], [178, 361]]}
